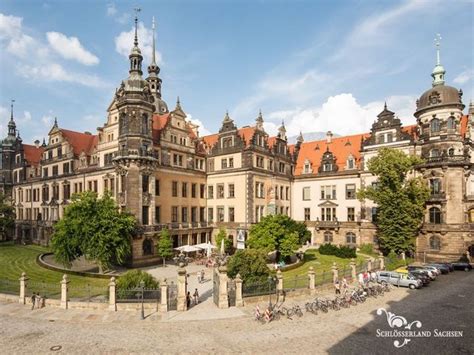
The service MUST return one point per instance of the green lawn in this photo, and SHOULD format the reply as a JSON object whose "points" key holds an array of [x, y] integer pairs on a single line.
{"points": [[322, 264], [15, 259]]}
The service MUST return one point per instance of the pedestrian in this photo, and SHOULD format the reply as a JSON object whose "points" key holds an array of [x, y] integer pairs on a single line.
{"points": [[365, 277], [39, 301], [33, 301], [203, 275], [361, 279], [373, 276], [196, 296], [344, 283], [199, 277], [337, 286], [188, 300]]}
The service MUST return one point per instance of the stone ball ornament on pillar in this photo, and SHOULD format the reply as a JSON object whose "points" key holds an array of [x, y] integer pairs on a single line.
{"points": [[181, 260]]}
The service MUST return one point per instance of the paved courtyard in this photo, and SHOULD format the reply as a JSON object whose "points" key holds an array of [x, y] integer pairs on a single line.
{"points": [[446, 304]]}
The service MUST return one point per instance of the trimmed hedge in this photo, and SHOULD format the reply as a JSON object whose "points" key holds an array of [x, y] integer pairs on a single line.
{"points": [[340, 252]]}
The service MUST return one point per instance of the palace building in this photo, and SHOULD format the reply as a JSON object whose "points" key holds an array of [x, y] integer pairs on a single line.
{"points": [[154, 163]]}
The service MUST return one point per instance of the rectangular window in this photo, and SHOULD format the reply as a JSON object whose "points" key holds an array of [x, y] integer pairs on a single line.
{"points": [[157, 187], [202, 189], [231, 188], [287, 193], [202, 214], [328, 214], [223, 163], [193, 214], [231, 162], [174, 189], [178, 159], [55, 170], [306, 193], [145, 215], [210, 214], [220, 190], [276, 192], [66, 191], [145, 183], [157, 214], [350, 214], [259, 161], [184, 189], [281, 168], [112, 186], [193, 190], [350, 191], [374, 214], [184, 214], [210, 191], [328, 192], [95, 186], [307, 214], [174, 214], [220, 214], [66, 168], [231, 214], [270, 165], [45, 172]]}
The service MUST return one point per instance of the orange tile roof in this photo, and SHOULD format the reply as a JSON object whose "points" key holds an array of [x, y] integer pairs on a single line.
{"points": [[246, 133], [341, 147], [32, 154], [80, 142], [158, 123], [464, 120]]}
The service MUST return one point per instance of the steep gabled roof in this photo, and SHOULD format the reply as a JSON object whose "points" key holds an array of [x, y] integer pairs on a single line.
{"points": [[32, 154], [464, 121], [158, 123], [80, 142]]}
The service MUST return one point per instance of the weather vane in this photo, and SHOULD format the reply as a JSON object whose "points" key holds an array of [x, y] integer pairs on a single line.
{"points": [[137, 10], [11, 105], [437, 42]]}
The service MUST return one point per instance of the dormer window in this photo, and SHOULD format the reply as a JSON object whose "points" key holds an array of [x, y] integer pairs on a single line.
{"points": [[227, 142], [327, 167], [307, 167], [389, 137], [350, 163], [435, 125]]}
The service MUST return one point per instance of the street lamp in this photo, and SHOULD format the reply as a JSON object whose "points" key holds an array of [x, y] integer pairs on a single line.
{"points": [[142, 286]]}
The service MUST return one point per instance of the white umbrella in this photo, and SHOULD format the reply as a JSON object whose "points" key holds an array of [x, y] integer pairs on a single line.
{"points": [[205, 246], [222, 247], [187, 248]]}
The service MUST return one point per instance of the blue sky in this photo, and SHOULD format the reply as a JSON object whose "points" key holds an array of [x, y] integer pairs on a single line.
{"points": [[318, 65]]}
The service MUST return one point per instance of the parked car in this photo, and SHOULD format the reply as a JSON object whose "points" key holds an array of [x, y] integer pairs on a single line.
{"points": [[431, 273], [459, 265], [398, 279], [442, 267], [402, 270], [421, 275]]}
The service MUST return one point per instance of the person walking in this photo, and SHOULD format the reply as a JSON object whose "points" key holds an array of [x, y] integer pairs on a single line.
{"points": [[33, 301], [203, 275], [188, 300], [337, 287], [196, 296], [344, 283]]}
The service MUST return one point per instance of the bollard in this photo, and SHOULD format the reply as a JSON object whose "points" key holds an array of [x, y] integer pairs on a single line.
{"points": [[64, 283], [335, 272], [312, 279], [23, 284], [223, 294], [353, 270], [112, 295]]}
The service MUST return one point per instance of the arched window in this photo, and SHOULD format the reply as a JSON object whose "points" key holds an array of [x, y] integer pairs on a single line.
{"points": [[435, 126], [435, 215], [147, 247], [327, 237], [451, 122], [435, 243], [351, 238]]}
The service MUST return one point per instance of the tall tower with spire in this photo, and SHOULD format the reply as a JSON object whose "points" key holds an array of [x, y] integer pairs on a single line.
{"points": [[135, 160], [438, 71], [154, 80]]}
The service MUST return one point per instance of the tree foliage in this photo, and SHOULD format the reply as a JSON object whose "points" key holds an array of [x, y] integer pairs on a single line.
{"points": [[165, 245], [278, 232], [131, 280], [251, 264], [93, 227], [7, 216], [339, 251], [400, 199], [222, 235]]}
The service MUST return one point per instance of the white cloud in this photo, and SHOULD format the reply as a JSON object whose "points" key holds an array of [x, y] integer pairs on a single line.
{"points": [[202, 130], [464, 77], [10, 26], [124, 44], [341, 114], [111, 9], [47, 120], [70, 48]]}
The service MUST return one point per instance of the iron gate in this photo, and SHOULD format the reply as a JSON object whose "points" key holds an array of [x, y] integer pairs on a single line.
{"points": [[172, 297]]}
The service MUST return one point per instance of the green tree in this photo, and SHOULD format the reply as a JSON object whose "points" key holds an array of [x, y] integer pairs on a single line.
{"points": [[222, 235], [400, 200], [165, 245], [251, 264], [93, 227], [7, 217], [277, 232], [131, 280]]}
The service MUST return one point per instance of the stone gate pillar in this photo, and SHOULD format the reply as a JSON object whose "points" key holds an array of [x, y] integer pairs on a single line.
{"points": [[311, 277], [335, 272], [164, 296], [381, 262], [239, 300], [23, 285], [64, 283], [369, 265], [112, 300], [182, 288], [223, 295], [353, 270], [279, 285]]}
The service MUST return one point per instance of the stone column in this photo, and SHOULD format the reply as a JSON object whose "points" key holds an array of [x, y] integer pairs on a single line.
{"points": [[335, 272], [23, 285], [369, 265], [311, 277], [223, 296], [403, 255], [239, 300], [353, 270], [64, 283], [279, 276], [381, 262], [182, 288], [112, 300], [164, 296]]}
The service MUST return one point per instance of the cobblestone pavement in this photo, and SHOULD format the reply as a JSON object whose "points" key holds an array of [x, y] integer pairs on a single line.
{"points": [[36, 332]]}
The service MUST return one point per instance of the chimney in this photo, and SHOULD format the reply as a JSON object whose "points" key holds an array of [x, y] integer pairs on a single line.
{"points": [[329, 137], [37, 143]]}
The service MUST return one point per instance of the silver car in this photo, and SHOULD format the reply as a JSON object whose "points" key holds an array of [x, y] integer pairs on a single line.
{"points": [[397, 279]]}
